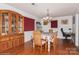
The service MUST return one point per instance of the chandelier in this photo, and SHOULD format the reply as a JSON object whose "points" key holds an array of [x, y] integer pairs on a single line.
{"points": [[47, 18]]}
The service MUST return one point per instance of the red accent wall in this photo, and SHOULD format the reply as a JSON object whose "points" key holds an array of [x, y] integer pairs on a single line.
{"points": [[29, 24], [54, 24]]}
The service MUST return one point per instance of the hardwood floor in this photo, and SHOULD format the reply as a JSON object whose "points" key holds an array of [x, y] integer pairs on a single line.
{"points": [[66, 47]]}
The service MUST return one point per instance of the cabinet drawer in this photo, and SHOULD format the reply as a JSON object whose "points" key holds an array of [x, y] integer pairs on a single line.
{"points": [[4, 45]]}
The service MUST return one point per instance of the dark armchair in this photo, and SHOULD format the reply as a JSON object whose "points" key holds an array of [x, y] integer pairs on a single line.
{"points": [[65, 34]]}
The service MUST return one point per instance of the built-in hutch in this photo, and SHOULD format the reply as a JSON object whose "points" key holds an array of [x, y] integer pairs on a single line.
{"points": [[11, 29]]}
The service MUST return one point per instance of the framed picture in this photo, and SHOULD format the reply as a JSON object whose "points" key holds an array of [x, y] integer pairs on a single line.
{"points": [[54, 24], [64, 21]]}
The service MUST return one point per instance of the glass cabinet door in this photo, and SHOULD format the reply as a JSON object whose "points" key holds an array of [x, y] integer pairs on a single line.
{"points": [[13, 23], [20, 24], [5, 23]]}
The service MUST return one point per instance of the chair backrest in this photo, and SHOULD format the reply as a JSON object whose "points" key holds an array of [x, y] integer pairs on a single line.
{"points": [[50, 31], [37, 38], [62, 32]]}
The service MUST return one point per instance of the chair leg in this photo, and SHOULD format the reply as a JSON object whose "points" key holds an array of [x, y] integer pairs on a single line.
{"points": [[54, 48], [45, 46], [41, 49], [66, 37], [34, 49]]}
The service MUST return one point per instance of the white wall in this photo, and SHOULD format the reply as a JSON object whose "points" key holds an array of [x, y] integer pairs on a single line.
{"points": [[77, 29], [66, 27], [27, 34]]}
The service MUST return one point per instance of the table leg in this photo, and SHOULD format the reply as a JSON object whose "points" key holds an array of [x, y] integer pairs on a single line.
{"points": [[48, 46]]}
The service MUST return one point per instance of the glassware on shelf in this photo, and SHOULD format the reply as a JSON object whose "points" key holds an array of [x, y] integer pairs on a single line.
{"points": [[20, 24], [13, 23], [5, 23]]}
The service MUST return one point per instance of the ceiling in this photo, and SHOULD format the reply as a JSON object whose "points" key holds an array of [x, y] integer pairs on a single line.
{"points": [[55, 9]]}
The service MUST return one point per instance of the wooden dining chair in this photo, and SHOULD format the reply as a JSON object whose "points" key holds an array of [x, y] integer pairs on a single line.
{"points": [[55, 41], [37, 40]]}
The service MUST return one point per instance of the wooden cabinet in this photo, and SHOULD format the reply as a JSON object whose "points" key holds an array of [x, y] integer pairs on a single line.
{"points": [[11, 29], [11, 22], [4, 43]]}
